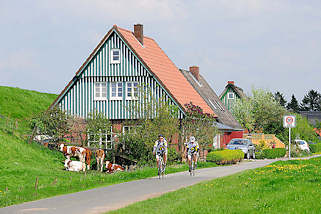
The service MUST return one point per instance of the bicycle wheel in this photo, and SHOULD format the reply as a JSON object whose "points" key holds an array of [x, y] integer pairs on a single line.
{"points": [[159, 168]]}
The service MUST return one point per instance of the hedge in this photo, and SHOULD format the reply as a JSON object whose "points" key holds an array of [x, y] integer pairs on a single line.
{"points": [[315, 147], [225, 156], [271, 153]]}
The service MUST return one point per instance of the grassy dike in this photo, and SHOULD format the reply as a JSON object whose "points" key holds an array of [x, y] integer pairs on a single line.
{"points": [[283, 187]]}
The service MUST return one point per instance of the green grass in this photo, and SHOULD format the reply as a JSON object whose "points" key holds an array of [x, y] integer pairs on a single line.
{"points": [[21, 163], [283, 187], [20, 105]]}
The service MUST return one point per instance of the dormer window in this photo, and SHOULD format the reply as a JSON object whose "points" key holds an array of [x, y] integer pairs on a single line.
{"points": [[115, 56], [230, 96]]}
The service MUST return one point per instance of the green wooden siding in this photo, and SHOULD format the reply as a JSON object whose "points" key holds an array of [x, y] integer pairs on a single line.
{"points": [[79, 98], [229, 102]]}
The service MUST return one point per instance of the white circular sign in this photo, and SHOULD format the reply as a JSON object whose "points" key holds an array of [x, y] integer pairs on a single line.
{"points": [[289, 121]]}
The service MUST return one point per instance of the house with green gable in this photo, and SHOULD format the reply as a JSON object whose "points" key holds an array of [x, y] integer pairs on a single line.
{"points": [[230, 94], [108, 81]]}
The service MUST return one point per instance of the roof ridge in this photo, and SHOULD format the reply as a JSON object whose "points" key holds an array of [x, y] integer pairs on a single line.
{"points": [[129, 31]]}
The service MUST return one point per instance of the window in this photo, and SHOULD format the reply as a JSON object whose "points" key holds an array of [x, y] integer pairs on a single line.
{"points": [[131, 90], [128, 129], [115, 56], [100, 91], [116, 90], [230, 95]]}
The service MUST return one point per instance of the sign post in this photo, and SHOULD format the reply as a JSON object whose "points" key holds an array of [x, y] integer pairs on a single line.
{"points": [[289, 121]]}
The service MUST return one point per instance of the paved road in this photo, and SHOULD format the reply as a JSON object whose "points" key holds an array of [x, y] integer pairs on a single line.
{"points": [[112, 197]]}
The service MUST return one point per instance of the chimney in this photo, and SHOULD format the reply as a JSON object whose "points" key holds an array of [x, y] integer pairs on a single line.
{"points": [[195, 70], [230, 82], [138, 32]]}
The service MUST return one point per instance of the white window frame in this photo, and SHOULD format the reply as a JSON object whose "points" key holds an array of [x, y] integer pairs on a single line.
{"points": [[228, 96], [132, 97], [101, 86], [117, 97], [128, 129], [112, 60]]}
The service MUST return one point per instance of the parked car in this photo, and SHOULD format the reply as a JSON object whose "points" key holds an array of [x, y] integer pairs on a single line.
{"points": [[303, 145], [242, 144]]}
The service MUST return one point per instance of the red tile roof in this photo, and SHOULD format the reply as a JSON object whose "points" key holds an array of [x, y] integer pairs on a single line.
{"points": [[165, 70]]}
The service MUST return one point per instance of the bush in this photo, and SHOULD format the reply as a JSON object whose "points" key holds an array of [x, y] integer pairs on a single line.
{"points": [[225, 156], [173, 155], [315, 147], [271, 153]]}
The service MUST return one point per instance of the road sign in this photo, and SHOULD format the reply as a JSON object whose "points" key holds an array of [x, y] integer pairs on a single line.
{"points": [[289, 121]]}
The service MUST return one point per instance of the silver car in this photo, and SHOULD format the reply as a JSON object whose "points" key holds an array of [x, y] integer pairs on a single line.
{"points": [[242, 144]]}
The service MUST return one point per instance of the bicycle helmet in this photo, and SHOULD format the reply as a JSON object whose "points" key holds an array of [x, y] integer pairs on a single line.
{"points": [[160, 135], [192, 139]]}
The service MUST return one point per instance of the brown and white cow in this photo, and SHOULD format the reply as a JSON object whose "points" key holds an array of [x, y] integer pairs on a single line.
{"points": [[111, 168], [84, 154], [74, 166], [100, 156]]}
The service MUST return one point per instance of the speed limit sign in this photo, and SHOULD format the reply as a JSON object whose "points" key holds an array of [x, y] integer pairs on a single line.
{"points": [[289, 121]]}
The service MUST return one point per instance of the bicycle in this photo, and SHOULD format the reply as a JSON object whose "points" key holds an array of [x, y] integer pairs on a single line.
{"points": [[161, 166], [193, 165]]}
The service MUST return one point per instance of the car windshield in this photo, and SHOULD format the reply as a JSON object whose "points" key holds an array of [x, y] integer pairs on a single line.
{"points": [[238, 142], [301, 143]]}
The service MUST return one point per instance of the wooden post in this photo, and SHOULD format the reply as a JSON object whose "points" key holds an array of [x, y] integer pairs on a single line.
{"points": [[36, 183], [33, 134]]}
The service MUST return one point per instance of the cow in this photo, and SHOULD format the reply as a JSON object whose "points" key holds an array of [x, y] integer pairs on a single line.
{"points": [[68, 151], [84, 154], [111, 168], [74, 166], [88, 157], [100, 156]]}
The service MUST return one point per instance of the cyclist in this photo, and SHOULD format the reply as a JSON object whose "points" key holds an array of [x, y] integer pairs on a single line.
{"points": [[192, 148], [160, 148]]}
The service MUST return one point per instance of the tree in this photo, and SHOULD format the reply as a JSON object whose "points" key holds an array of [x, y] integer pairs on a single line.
{"points": [[311, 101], [198, 124], [293, 105], [303, 130], [279, 97], [151, 118], [261, 112], [53, 122], [98, 126], [243, 112]]}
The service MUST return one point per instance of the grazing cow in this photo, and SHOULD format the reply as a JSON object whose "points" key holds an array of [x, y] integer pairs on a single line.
{"points": [[100, 156], [74, 166], [111, 168]]}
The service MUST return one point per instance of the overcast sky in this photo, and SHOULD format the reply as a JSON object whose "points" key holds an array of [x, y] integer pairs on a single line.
{"points": [[275, 45]]}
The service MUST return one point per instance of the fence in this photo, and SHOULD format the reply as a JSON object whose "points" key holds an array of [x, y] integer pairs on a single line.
{"points": [[268, 139]]}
